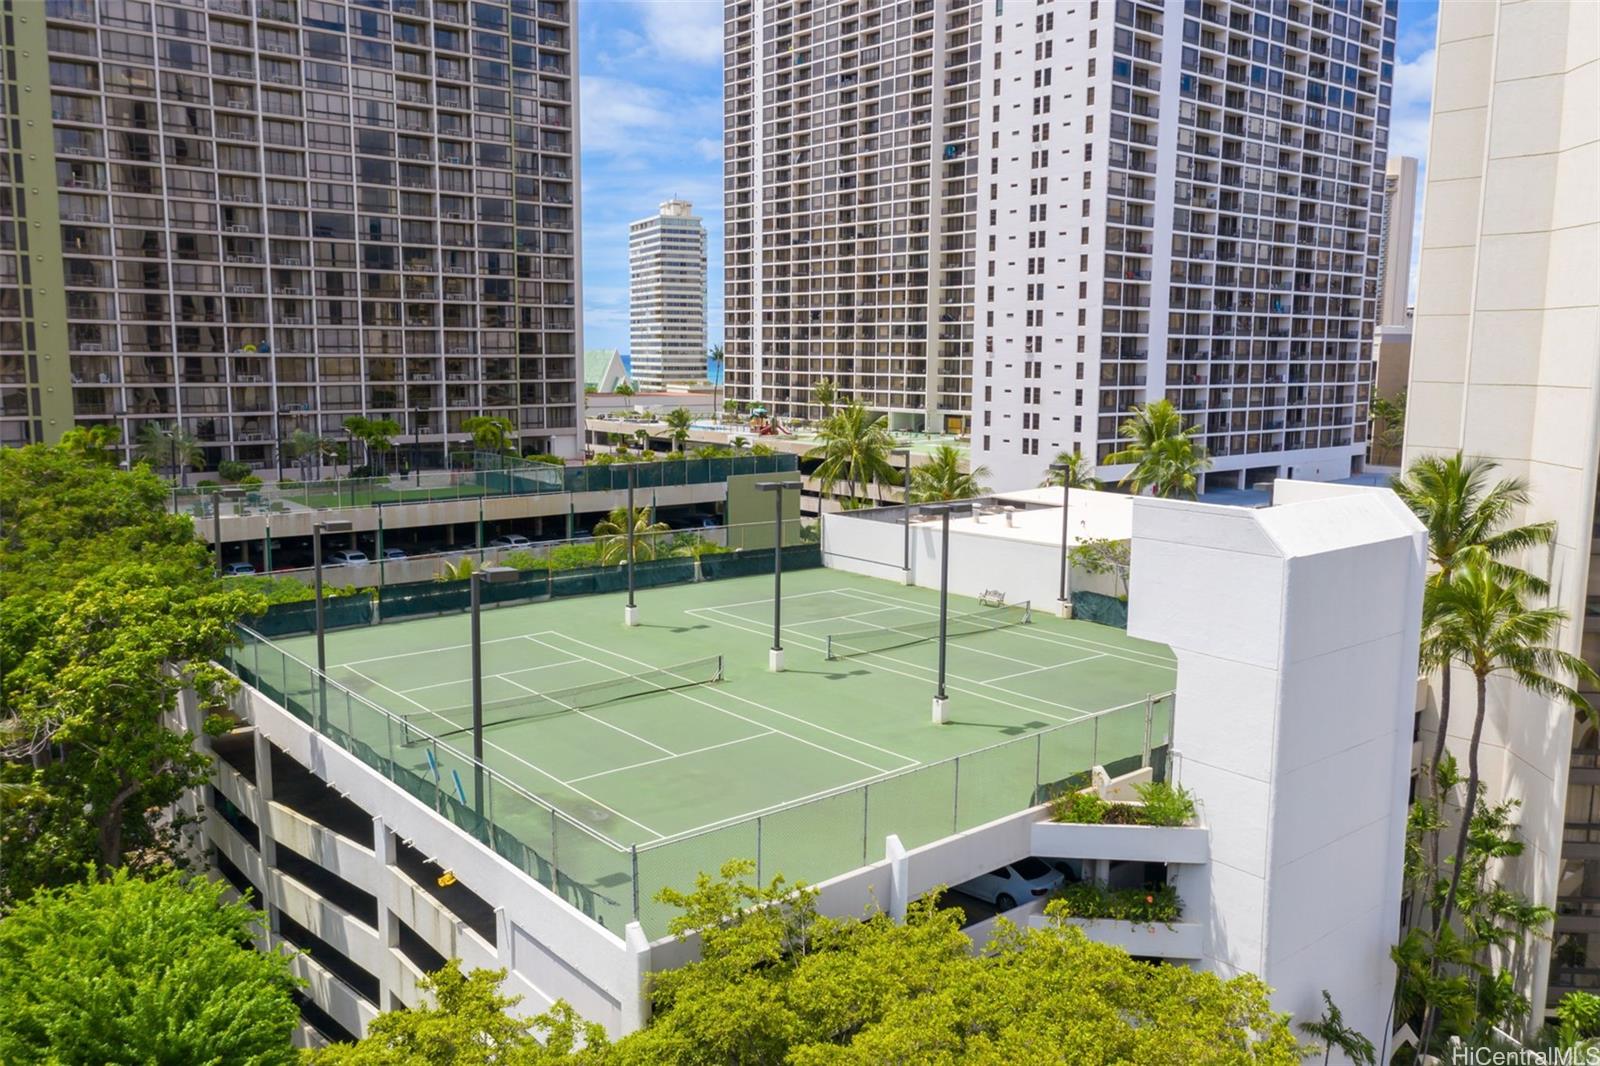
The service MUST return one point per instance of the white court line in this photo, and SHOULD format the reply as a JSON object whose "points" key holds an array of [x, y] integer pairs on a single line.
{"points": [[512, 755], [506, 675], [1074, 642], [831, 617], [427, 651], [734, 714], [768, 600], [684, 834], [920, 677], [592, 718], [971, 648], [1041, 669], [678, 755]]}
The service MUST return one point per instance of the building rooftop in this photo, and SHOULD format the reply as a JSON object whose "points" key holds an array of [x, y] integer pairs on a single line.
{"points": [[623, 785]]}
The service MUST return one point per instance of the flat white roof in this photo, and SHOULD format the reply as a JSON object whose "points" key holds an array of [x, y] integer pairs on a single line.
{"points": [[1036, 518]]}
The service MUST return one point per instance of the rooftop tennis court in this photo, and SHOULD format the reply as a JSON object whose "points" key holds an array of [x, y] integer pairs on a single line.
{"points": [[665, 774]]}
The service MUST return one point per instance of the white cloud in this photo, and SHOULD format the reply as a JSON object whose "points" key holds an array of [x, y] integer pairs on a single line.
{"points": [[1413, 98], [683, 30]]}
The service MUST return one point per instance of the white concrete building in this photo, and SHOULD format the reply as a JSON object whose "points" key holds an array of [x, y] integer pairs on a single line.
{"points": [[667, 297], [1180, 202], [1505, 364], [1288, 691], [250, 220], [850, 182], [1399, 221]]}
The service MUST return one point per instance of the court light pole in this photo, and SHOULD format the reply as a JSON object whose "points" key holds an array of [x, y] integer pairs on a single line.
{"points": [[494, 575], [630, 613], [905, 499], [331, 525], [1065, 470], [941, 701], [775, 653]]}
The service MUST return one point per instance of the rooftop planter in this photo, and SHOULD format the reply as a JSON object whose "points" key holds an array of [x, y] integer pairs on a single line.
{"points": [[1161, 826]]}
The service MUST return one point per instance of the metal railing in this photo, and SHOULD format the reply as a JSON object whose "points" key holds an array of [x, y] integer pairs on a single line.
{"points": [[810, 839]]}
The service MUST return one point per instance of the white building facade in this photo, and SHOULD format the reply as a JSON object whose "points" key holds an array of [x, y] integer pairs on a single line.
{"points": [[667, 297], [1399, 223], [1181, 201], [1505, 365]]}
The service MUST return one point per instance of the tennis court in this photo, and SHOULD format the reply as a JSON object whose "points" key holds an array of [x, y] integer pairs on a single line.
{"points": [[663, 743]]}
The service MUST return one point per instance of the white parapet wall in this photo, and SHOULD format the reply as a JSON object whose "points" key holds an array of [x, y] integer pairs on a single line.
{"points": [[1295, 629]]}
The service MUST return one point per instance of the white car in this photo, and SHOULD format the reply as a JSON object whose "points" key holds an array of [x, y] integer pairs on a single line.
{"points": [[511, 540], [347, 558], [239, 569], [1016, 883]]}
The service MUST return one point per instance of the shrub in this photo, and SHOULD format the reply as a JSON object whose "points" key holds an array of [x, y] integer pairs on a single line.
{"points": [[1149, 905], [1083, 808], [250, 481], [1165, 804], [233, 470]]}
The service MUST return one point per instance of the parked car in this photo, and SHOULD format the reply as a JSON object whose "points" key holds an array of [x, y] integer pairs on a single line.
{"points": [[393, 554], [511, 540], [239, 569], [1018, 882], [347, 558]]}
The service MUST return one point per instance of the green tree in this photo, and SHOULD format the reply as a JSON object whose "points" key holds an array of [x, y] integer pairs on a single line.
{"points": [[490, 433], [128, 970], [853, 447], [460, 570], [624, 388], [611, 533], [1333, 1034], [376, 436], [95, 444], [466, 1022], [1388, 423], [108, 609], [1103, 555], [1166, 458], [1079, 472], [307, 450], [825, 394], [942, 477], [718, 361], [171, 448], [678, 422]]}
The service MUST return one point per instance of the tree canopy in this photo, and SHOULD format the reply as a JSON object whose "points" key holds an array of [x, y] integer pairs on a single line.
{"points": [[779, 983], [127, 970]]}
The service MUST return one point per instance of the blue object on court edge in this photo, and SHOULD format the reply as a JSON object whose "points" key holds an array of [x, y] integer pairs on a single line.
{"points": [[461, 792], [433, 765]]}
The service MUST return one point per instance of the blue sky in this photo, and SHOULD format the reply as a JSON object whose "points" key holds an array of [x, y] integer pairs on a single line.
{"points": [[651, 112]]}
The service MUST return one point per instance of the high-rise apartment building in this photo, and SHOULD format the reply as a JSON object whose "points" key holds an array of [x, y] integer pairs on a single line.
{"points": [[1181, 201], [851, 176], [1505, 365], [250, 219], [667, 296], [1399, 214]]}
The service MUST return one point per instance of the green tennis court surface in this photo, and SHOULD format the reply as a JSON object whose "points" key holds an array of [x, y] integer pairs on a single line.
{"points": [[679, 764]]}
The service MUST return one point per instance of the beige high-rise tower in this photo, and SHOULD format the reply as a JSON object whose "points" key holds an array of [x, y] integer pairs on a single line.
{"points": [[1399, 214], [1506, 365]]}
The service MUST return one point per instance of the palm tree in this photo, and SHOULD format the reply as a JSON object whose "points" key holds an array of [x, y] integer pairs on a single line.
{"points": [[1482, 622], [641, 437], [1079, 472], [1391, 412], [459, 570], [375, 434], [490, 433], [942, 477], [612, 533], [624, 388], [1453, 498], [171, 447], [1166, 459], [825, 394], [854, 448], [306, 449], [1331, 1030], [717, 361], [678, 422]]}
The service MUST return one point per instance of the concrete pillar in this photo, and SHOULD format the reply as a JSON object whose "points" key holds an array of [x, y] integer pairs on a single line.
{"points": [[635, 1000], [899, 877], [261, 749]]}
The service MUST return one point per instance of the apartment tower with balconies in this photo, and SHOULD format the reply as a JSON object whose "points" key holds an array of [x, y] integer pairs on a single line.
{"points": [[667, 297], [1180, 201], [262, 219], [850, 188]]}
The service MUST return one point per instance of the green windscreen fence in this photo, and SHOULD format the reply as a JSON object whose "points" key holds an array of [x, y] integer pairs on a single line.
{"points": [[1096, 607], [293, 619]]}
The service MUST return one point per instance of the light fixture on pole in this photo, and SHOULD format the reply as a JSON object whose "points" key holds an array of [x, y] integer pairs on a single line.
{"points": [[775, 653], [494, 575], [630, 613], [1065, 470], [905, 521], [941, 701], [331, 525]]}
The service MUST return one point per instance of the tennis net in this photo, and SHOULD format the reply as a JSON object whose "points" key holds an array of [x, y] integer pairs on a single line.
{"points": [[422, 726], [965, 624]]}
